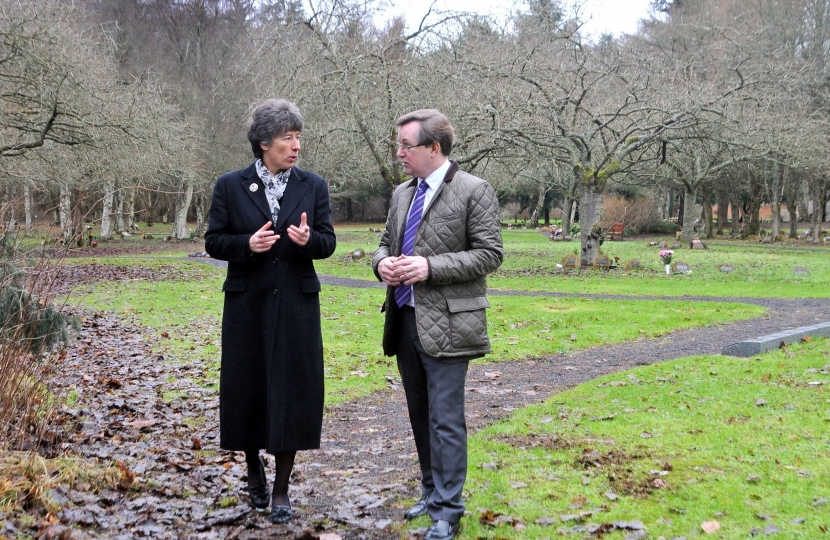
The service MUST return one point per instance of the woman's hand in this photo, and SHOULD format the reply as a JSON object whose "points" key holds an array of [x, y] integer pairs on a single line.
{"points": [[300, 235], [262, 240]]}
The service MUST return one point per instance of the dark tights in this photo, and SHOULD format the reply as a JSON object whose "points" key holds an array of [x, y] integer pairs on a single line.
{"points": [[284, 465]]}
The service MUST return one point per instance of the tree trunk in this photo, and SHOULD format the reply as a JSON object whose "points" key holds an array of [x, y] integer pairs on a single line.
{"points": [[27, 206], [200, 216], [736, 216], [756, 194], [590, 208], [540, 203], [815, 219], [7, 209], [119, 211], [688, 213], [708, 216], [567, 208], [106, 208], [681, 209], [65, 210], [131, 210], [183, 198], [775, 199], [723, 210]]}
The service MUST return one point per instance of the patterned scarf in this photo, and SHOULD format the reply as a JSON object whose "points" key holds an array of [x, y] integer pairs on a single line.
{"points": [[274, 187]]}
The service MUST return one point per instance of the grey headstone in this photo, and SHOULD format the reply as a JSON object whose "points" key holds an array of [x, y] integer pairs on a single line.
{"points": [[726, 268], [358, 254], [676, 245], [679, 267], [570, 261], [801, 271], [633, 264], [602, 261], [771, 342], [661, 244]]}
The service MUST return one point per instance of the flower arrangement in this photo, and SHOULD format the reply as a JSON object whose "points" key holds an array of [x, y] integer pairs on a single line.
{"points": [[666, 255]]}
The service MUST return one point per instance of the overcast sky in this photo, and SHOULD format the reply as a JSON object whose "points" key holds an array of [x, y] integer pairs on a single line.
{"points": [[611, 16]]}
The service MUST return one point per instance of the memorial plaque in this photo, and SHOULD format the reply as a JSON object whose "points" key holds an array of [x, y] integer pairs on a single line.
{"points": [[676, 245], [633, 264], [801, 271], [358, 254], [662, 244], [726, 267], [698, 245], [602, 261], [680, 267], [570, 261]]}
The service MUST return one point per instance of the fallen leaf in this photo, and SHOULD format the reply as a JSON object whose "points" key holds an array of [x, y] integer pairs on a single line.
{"points": [[141, 423], [710, 527], [488, 517]]}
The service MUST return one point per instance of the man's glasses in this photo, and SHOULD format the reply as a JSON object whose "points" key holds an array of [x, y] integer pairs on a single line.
{"points": [[407, 147]]}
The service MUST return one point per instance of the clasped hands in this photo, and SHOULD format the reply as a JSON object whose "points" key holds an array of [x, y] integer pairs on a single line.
{"points": [[403, 270], [262, 240]]}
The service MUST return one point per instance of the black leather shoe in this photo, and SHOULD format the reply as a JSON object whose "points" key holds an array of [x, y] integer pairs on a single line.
{"points": [[420, 509], [441, 530], [260, 497], [281, 514]]}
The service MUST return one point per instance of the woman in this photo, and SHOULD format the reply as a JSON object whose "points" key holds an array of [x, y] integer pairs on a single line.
{"points": [[269, 220]]}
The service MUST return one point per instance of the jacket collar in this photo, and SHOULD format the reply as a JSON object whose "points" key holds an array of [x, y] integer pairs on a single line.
{"points": [[294, 193]]}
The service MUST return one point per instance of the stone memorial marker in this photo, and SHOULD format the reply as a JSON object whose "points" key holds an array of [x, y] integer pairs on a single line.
{"points": [[602, 261], [801, 271], [676, 245], [662, 244], [680, 267], [726, 267], [698, 245], [633, 264], [570, 261], [358, 254]]}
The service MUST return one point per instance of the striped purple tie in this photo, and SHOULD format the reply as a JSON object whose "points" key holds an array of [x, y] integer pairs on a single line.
{"points": [[404, 292]]}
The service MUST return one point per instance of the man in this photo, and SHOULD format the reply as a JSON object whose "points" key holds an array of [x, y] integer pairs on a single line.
{"points": [[442, 238]]}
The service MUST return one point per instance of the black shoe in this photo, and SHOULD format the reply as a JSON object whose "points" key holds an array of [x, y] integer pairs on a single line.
{"points": [[281, 514], [418, 510], [441, 530], [260, 497]]}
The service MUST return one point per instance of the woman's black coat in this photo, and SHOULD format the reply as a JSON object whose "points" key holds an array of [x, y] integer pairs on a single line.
{"points": [[271, 382]]}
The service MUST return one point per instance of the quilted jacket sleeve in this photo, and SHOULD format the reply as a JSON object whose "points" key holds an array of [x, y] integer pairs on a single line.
{"points": [[484, 251]]}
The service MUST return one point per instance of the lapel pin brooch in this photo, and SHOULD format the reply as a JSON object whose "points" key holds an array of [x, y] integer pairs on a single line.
{"points": [[253, 187]]}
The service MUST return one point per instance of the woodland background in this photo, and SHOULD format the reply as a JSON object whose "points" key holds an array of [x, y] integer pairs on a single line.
{"points": [[119, 111]]}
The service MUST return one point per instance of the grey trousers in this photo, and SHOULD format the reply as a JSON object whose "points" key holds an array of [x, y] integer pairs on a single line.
{"points": [[434, 390]]}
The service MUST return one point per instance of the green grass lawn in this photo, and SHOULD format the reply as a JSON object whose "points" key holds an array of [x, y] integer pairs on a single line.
{"points": [[185, 313], [738, 441], [760, 270]]}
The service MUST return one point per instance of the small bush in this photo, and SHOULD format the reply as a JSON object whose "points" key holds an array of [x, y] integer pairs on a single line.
{"points": [[664, 227], [30, 326], [639, 214]]}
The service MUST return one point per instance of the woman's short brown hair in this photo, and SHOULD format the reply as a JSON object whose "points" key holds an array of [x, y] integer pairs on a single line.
{"points": [[270, 118]]}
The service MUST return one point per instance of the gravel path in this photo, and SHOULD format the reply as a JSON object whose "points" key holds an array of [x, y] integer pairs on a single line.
{"points": [[366, 472]]}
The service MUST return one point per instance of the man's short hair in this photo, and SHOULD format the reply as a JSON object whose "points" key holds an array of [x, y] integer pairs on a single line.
{"points": [[435, 127]]}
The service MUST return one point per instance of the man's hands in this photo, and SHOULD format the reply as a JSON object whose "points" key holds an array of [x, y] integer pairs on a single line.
{"points": [[403, 270], [262, 240]]}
